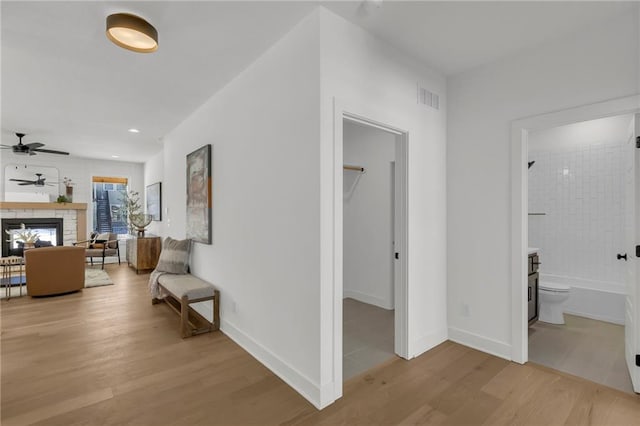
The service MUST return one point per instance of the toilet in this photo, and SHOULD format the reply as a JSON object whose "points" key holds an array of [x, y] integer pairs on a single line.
{"points": [[552, 298]]}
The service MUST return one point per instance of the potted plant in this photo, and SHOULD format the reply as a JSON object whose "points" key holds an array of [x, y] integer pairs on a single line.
{"points": [[68, 184], [27, 237]]}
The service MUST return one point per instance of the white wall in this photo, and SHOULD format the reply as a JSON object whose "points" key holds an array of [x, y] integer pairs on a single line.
{"points": [[154, 172], [15, 191], [81, 171], [273, 194], [593, 65], [368, 215], [361, 70], [264, 131], [603, 131]]}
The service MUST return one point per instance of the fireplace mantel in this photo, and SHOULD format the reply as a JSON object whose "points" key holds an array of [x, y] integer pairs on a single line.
{"points": [[80, 208], [42, 206]]}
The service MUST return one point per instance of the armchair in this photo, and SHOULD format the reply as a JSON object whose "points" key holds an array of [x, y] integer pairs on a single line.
{"points": [[54, 270], [103, 245]]}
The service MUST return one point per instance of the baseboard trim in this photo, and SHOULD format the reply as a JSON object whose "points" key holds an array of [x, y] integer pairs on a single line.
{"points": [[367, 298], [426, 342], [619, 321], [481, 343], [300, 383]]}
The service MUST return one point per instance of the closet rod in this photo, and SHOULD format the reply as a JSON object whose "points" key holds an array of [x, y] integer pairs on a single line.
{"points": [[355, 168]]}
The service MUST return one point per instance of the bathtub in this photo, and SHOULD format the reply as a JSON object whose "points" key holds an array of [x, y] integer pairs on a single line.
{"points": [[599, 300]]}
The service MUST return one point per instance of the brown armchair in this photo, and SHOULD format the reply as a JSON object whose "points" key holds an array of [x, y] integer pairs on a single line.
{"points": [[104, 245], [54, 270]]}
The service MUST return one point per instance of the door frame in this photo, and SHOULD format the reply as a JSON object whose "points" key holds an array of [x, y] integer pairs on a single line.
{"points": [[632, 334], [388, 122], [519, 201]]}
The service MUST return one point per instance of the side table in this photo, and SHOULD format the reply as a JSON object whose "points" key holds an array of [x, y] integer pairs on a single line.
{"points": [[143, 252], [8, 264]]}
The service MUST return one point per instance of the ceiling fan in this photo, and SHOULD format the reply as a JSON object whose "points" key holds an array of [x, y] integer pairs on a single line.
{"points": [[40, 181], [30, 148]]}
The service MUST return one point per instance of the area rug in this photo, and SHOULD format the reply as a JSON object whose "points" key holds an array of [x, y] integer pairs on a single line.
{"points": [[96, 278], [92, 278]]}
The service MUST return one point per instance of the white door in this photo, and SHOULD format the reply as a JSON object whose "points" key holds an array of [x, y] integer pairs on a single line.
{"points": [[632, 222]]}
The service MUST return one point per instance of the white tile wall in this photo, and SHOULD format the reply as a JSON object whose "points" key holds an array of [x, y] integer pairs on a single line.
{"points": [[582, 194]]}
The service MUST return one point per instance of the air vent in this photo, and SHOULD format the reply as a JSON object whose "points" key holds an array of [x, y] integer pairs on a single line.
{"points": [[428, 98]]}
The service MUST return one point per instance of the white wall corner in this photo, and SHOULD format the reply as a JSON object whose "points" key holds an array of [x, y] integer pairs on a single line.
{"points": [[481, 343], [328, 395], [312, 392], [427, 342]]}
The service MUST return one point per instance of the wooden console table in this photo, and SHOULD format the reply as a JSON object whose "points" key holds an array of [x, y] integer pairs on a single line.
{"points": [[143, 252]]}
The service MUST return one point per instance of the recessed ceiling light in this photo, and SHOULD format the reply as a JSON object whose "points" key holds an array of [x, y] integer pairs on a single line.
{"points": [[134, 130], [131, 32], [115, 156]]}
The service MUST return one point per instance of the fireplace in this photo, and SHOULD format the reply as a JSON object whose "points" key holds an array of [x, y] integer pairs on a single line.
{"points": [[50, 232]]}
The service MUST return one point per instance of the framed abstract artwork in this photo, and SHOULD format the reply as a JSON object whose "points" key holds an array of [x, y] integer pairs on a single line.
{"points": [[154, 200], [199, 201]]}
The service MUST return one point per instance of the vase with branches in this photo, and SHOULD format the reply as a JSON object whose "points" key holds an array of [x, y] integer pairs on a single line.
{"points": [[27, 237], [131, 207]]}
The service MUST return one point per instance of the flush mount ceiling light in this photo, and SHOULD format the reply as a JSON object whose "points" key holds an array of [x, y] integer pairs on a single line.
{"points": [[132, 32]]}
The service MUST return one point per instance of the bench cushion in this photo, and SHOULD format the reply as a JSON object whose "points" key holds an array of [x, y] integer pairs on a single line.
{"points": [[186, 285]]}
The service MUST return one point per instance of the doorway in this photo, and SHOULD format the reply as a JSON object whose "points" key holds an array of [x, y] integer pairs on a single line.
{"points": [[368, 247], [576, 230], [521, 130], [389, 121]]}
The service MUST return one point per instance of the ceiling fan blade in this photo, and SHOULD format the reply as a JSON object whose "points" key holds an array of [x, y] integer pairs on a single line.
{"points": [[22, 180], [50, 151], [5, 146], [27, 183], [34, 145]]}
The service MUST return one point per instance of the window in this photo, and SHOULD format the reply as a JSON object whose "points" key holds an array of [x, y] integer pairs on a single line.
{"points": [[108, 204]]}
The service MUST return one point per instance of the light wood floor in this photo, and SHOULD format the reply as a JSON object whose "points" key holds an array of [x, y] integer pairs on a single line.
{"points": [[107, 356]]}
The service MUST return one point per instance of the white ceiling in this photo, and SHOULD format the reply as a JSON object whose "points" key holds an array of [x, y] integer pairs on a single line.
{"points": [[455, 36], [66, 85]]}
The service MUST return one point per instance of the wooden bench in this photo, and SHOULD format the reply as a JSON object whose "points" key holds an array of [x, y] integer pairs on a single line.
{"points": [[182, 291]]}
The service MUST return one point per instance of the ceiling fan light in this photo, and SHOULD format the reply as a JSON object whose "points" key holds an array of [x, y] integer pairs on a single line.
{"points": [[131, 32]]}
